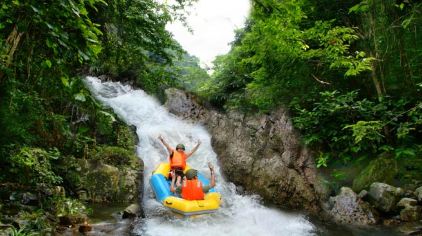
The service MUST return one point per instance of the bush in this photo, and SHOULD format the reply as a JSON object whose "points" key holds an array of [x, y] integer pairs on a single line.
{"points": [[33, 166], [343, 126], [115, 156]]}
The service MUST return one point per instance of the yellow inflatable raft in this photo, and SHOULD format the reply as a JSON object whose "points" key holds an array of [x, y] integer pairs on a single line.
{"points": [[161, 187]]}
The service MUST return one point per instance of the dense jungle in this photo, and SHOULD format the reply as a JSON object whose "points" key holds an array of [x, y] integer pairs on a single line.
{"points": [[347, 73]]}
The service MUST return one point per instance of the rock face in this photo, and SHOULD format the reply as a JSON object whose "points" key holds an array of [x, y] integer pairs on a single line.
{"points": [[100, 182], [411, 213], [418, 194], [384, 197], [348, 208], [260, 152], [131, 211]]}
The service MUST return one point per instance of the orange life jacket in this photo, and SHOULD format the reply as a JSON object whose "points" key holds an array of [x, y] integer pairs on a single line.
{"points": [[178, 160], [192, 190]]}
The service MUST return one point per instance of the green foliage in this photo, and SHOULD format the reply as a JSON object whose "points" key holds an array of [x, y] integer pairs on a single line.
{"points": [[69, 207], [376, 126], [322, 160], [105, 122], [282, 54], [31, 224], [48, 117], [190, 75], [125, 137], [367, 131], [381, 169], [115, 156], [19, 232], [33, 166], [136, 45]]}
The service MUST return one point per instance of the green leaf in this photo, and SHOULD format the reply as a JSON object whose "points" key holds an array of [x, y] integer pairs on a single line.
{"points": [[35, 9], [109, 115], [405, 152], [48, 63], [65, 81], [80, 97]]}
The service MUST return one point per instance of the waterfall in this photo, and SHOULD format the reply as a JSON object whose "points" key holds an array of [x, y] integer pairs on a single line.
{"points": [[239, 214]]}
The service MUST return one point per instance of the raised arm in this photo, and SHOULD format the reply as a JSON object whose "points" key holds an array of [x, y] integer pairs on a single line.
{"points": [[169, 149], [193, 150], [212, 184]]}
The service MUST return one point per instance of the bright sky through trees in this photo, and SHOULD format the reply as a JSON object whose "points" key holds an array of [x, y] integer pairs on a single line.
{"points": [[213, 23]]}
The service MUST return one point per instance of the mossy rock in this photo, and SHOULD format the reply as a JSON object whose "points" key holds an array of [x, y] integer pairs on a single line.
{"points": [[102, 183], [106, 183], [126, 137], [110, 174], [410, 172], [382, 169]]}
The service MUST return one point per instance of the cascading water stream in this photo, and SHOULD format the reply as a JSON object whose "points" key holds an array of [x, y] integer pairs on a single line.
{"points": [[238, 215]]}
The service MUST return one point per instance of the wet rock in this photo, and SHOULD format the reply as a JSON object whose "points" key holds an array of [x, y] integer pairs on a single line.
{"points": [[29, 199], [400, 192], [363, 194], [131, 211], [82, 195], [383, 196], [100, 182], [407, 202], [418, 194], [347, 208], [59, 191], [391, 222], [72, 220], [240, 190], [85, 228], [411, 213], [411, 229]]}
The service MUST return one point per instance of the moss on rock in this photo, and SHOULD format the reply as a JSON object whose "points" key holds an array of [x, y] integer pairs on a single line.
{"points": [[111, 175], [382, 169]]}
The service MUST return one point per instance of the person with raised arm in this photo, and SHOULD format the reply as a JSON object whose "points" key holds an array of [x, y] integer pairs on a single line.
{"points": [[177, 157]]}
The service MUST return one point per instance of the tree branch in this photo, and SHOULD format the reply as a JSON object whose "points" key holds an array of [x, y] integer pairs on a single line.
{"points": [[320, 81]]}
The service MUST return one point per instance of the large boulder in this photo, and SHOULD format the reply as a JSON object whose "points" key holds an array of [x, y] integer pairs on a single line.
{"points": [[418, 194], [95, 181], [131, 211], [411, 213], [384, 197], [261, 152], [348, 208], [383, 169], [404, 202]]}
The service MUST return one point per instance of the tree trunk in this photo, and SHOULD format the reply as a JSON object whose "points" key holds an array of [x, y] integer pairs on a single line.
{"points": [[12, 42]]}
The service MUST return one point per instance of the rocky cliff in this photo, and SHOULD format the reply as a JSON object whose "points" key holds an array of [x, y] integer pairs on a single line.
{"points": [[262, 153]]}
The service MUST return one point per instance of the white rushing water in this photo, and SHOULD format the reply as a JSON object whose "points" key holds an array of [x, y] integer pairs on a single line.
{"points": [[238, 215]]}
